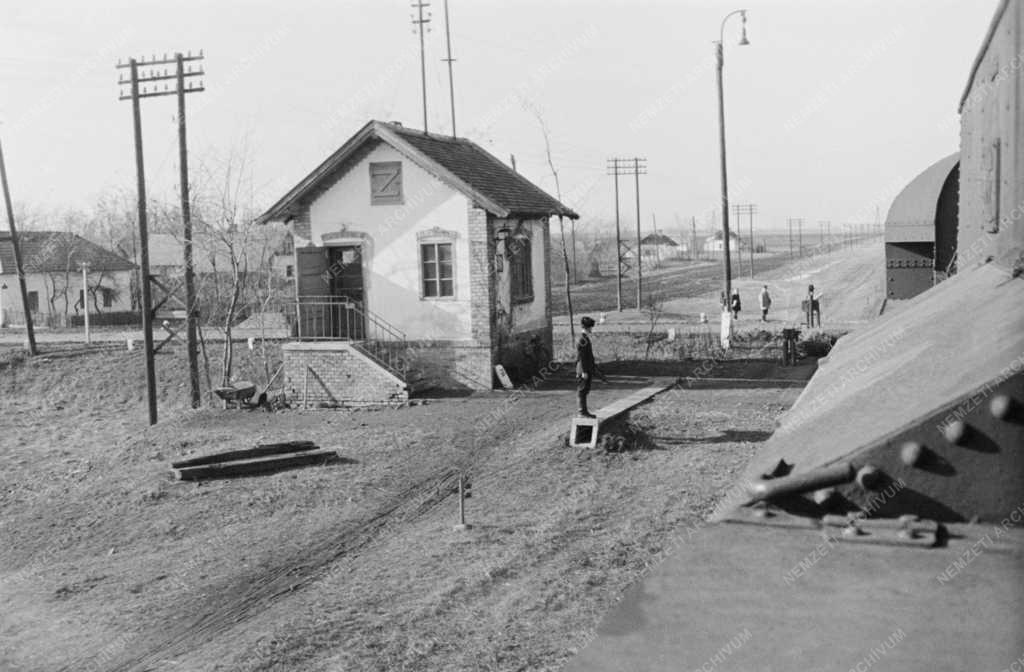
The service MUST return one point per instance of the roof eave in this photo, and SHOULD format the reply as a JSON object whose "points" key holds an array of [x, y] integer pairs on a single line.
{"points": [[280, 210], [996, 18]]}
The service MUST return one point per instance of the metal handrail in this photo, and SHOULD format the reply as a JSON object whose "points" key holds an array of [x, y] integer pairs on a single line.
{"points": [[341, 318]]}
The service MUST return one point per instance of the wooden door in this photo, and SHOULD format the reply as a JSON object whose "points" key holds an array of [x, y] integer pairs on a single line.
{"points": [[312, 293], [346, 286]]}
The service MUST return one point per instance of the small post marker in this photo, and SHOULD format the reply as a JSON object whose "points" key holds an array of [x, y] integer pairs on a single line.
{"points": [[506, 382], [462, 506], [131, 345]]}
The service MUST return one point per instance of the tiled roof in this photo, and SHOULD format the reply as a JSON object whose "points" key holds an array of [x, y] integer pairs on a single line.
{"points": [[658, 239], [480, 169], [56, 251], [458, 162]]}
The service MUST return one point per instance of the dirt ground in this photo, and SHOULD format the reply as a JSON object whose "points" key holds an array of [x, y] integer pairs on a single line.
{"points": [[109, 564]]}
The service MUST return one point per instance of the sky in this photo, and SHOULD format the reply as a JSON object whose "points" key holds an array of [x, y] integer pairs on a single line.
{"points": [[833, 107]]}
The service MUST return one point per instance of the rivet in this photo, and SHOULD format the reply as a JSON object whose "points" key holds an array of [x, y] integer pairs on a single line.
{"points": [[911, 453], [822, 497], [1000, 406], [868, 477], [955, 432]]}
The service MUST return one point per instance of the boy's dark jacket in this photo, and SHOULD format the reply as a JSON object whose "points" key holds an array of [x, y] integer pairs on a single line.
{"points": [[585, 356]]}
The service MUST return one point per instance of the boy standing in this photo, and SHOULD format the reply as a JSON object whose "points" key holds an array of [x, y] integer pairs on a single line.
{"points": [[586, 367], [766, 303]]}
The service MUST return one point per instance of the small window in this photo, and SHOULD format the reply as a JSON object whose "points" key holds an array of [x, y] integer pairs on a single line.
{"points": [[386, 183], [520, 263], [108, 297], [438, 270], [289, 271], [33, 302]]}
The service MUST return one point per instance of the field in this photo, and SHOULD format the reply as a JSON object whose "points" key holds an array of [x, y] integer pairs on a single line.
{"points": [[688, 287], [109, 564]]}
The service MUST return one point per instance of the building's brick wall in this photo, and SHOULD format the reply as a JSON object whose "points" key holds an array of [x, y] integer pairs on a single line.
{"points": [[443, 365], [338, 375], [525, 353], [482, 292]]}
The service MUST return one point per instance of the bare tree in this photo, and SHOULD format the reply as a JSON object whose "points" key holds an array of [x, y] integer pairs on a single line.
{"points": [[561, 224]]}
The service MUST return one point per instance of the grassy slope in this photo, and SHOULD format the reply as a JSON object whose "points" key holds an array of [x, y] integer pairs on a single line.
{"points": [[108, 563]]}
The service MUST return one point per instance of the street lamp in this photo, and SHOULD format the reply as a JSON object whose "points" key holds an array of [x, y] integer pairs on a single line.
{"points": [[719, 61]]}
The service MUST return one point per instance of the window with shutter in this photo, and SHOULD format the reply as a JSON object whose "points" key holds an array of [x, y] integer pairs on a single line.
{"points": [[521, 265], [386, 183]]}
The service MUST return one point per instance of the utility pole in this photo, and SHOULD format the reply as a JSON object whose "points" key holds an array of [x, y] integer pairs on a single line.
{"points": [[613, 166], [693, 237], [451, 92], [420, 23], [18, 266], [85, 300], [191, 309], [635, 166], [639, 260], [800, 236], [657, 253], [790, 223], [747, 209], [135, 95]]}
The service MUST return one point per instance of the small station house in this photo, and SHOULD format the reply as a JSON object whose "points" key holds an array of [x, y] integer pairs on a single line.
{"points": [[421, 261]]}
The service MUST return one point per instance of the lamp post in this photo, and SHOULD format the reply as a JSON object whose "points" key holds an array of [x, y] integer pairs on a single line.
{"points": [[719, 62]]}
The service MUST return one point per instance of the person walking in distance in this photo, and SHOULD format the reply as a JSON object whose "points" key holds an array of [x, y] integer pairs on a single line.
{"points": [[765, 300], [734, 304], [586, 366]]}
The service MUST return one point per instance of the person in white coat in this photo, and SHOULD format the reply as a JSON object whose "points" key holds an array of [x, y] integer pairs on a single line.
{"points": [[765, 301]]}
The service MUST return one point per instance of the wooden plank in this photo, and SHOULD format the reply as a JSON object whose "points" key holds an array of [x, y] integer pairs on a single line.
{"points": [[620, 406], [261, 450], [256, 466]]}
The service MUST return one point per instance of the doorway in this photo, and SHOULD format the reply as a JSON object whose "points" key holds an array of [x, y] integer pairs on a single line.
{"points": [[345, 271]]}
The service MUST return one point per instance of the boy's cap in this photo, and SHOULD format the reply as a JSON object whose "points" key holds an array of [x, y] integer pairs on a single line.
{"points": [[587, 321]]}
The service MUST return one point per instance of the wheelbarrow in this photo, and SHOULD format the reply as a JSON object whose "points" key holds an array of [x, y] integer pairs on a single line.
{"points": [[238, 393], [241, 393]]}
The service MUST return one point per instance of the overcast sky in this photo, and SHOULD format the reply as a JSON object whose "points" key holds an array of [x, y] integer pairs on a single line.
{"points": [[832, 108]]}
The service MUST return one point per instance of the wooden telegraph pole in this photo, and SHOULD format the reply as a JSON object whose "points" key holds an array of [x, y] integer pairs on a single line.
{"points": [[17, 258], [420, 24], [636, 167], [135, 95], [192, 310]]}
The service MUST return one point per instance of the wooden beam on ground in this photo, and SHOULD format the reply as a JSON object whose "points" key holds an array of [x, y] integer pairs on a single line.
{"points": [[620, 406], [261, 450], [256, 466], [584, 431]]}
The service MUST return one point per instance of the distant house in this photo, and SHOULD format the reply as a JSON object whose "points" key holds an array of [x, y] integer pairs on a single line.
{"points": [[713, 243], [658, 247], [420, 260], [272, 249], [53, 263]]}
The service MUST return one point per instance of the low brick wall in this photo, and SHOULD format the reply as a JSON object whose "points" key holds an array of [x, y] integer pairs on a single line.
{"points": [[445, 365], [338, 375]]}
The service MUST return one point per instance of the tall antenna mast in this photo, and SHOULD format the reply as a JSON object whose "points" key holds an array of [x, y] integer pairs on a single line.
{"points": [[420, 22], [449, 60]]}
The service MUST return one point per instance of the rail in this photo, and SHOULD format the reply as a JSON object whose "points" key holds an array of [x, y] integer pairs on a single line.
{"points": [[340, 318]]}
